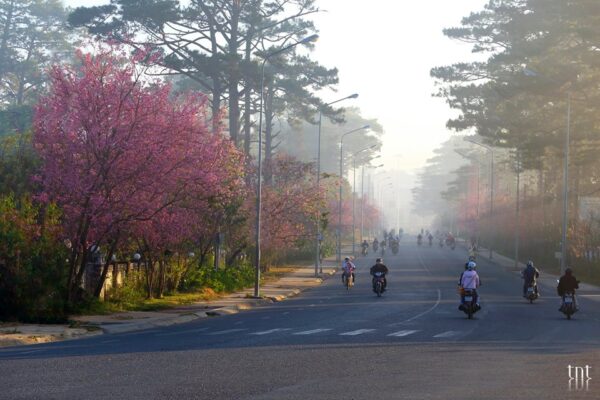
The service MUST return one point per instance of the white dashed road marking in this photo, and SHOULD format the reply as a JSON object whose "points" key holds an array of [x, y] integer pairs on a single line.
{"points": [[402, 333], [447, 334], [358, 332], [226, 331], [270, 331], [312, 332]]}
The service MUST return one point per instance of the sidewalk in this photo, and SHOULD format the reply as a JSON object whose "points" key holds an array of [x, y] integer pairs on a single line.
{"points": [[289, 285]]}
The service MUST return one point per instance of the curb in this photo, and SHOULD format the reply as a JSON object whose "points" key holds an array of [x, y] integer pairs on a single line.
{"points": [[217, 312]]}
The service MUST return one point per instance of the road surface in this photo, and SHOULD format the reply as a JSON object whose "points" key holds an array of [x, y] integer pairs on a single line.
{"points": [[328, 343]]}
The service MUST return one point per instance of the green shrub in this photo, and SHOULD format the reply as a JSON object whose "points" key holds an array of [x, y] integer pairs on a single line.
{"points": [[33, 266]]}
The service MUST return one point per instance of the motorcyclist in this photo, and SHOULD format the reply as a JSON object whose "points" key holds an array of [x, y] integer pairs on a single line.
{"points": [[530, 275], [379, 267], [469, 281], [419, 238], [383, 245], [567, 284], [365, 247], [430, 238], [348, 268], [375, 244]]}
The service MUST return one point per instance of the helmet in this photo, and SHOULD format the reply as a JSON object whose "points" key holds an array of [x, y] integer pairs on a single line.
{"points": [[568, 271], [471, 265], [379, 260], [347, 259], [530, 263]]}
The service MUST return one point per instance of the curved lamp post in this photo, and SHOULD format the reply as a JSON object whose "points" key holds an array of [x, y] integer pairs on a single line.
{"points": [[309, 39], [565, 217], [354, 195], [318, 266], [339, 229], [491, 150]]}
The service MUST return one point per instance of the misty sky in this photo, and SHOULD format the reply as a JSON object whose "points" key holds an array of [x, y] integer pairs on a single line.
{"points": [[384, 51]]}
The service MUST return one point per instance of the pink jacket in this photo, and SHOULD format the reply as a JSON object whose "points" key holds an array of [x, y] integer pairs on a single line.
{"points": [[348, 267], [470, 280]]}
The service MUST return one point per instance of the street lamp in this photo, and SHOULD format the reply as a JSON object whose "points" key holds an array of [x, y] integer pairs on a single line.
{"points": [[318, 266], [306, 40], [491, 150], [354, 196], [339, 233], [362, 197], [565, 217], [473, 159]]}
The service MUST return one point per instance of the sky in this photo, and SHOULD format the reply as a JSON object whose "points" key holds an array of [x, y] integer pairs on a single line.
{"points": [[384, 51]]}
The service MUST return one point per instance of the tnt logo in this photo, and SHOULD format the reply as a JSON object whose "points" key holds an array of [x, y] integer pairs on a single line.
{"points": [[579, 378]]}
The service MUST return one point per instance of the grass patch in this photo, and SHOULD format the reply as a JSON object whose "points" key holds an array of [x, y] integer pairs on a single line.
{"points": [[172, 301], [275, 273]]}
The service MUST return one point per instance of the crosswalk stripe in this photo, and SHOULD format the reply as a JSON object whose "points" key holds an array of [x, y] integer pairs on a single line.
{"points": [[226, 331], [270, 331], [312, 331], [447, 334], [402, 333], [357, 332]]}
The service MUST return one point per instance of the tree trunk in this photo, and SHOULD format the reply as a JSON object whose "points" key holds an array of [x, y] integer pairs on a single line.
{"points": [[269, 116], [5, 36], [248, 101], [161, 278], [105, 268], [234, 76], [149, 278]]}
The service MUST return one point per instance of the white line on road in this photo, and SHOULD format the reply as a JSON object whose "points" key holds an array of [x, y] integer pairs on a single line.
{"points": [[270, 331], [433, 307], [402, 333], [447, 334], [357, 332], [312, 332], [108, 341], [226, 331]]}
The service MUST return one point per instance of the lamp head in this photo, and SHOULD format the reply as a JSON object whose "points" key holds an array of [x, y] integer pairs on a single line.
{"points": [[353, 96], [310, 39]]}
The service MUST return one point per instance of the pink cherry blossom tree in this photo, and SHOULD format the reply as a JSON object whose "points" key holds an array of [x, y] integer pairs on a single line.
{"points": [[123, 157]]}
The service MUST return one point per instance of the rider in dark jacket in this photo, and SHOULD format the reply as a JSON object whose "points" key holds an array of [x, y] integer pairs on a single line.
{"points": [[379, 267], [530, 275], [567, 284]]}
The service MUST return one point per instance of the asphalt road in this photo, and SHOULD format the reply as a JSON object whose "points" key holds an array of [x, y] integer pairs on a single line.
{"points": [[330, 343]]}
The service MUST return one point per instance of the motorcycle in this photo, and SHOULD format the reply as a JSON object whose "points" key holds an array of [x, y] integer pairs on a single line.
{"points": [[365, 251], [375, 247], [441, 244], [395, 248], [419, 241], [469, 305], [348, 281], [531, 294], [379, 282], [430, 242], [382, 251], [568, 305]]}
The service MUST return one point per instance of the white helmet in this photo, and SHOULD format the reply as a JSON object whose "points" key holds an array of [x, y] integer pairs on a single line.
{"points": [[471, 265]]}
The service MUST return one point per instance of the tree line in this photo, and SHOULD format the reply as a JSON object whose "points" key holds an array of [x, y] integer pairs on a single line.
{"points": [[130, 129], [539, 63]]}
